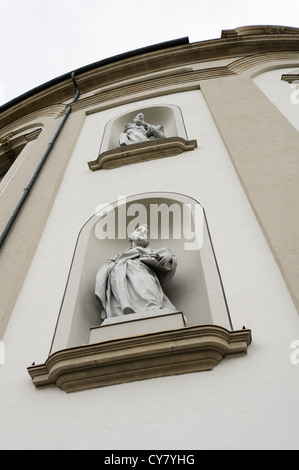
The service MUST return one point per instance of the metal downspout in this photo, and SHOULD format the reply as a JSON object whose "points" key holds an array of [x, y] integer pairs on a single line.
{"points": [[34, 176]]}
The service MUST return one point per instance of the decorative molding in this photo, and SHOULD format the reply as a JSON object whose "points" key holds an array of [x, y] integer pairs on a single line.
{"points": [[134, 90], [11, 140], [155, 86], [12, 144], [240, 42], [290, 77], [185, 350], [5, 143], [16, 116], [276, 30], [143, 152], [258, 30], [245, 63], [33, 135]]}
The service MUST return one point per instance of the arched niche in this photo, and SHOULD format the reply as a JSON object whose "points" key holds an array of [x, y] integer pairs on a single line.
{"points": [[168, 116], [175, 221], [113, 155]]}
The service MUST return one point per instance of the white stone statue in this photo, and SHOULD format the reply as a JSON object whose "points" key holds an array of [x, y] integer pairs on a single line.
{"points": [[140, 131], [132, 281]]}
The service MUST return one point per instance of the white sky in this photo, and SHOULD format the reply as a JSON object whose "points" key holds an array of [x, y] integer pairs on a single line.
{"points": [[43, 39]]}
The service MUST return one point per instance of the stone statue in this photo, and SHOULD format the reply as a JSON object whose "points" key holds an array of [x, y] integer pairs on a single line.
{"points": [[140, 131], [132, 281]]}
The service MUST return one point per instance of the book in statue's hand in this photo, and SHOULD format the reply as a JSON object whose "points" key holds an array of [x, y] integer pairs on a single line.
{"points": [[154, 262]]}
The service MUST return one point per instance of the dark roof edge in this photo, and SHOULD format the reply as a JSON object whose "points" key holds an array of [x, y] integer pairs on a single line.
{"points": [[94, 65]]}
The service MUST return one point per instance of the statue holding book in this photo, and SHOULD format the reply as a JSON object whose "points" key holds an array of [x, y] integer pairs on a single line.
{"points": [[133, 281], [140, 131]]}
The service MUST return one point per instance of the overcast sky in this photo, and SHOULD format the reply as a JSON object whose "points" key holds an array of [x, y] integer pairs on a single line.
{"points": [[43, 39]]}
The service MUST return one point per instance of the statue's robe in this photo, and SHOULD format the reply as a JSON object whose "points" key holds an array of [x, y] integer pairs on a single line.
{"points": [[133, 134], [126, 284]]}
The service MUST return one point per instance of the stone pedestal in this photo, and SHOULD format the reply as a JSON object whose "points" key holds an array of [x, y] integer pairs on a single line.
{"points": [[136, 324]]}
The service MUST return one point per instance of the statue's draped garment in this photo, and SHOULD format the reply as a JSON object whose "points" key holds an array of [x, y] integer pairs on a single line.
{"points": [[133, 134], [140, 131], [126, 284]]}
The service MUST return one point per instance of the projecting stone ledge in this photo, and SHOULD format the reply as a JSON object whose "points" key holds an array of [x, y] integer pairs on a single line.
{"points": [[143, 152], [180, 351]]}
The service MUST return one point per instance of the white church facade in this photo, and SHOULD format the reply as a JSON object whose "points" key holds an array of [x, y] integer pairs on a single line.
{"points": [[199, 143]]}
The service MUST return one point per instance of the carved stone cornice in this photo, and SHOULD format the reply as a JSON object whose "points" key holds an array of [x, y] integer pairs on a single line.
{"points": [[241, 42], [114, 95], [245, 63], [258, 30], [22, 113], [143, 152], [5, 144], [33, 135], [6, 139], [11, 145], [185, 350]]}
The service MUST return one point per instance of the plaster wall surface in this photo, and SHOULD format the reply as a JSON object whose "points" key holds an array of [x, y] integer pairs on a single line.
{"points": [[284, 95], [244, 403], [263, 145]]}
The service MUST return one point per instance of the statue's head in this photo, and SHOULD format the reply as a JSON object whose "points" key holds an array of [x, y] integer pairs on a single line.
{"points": [[140, 236], [139, 117]]}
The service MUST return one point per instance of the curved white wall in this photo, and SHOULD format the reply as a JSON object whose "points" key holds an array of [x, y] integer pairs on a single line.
{"points": [[284, 95], [246, 402]]}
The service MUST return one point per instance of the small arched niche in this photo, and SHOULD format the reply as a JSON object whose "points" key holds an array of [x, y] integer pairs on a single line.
{"points": [[175, 221], [112, 154], [168, 116]]}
